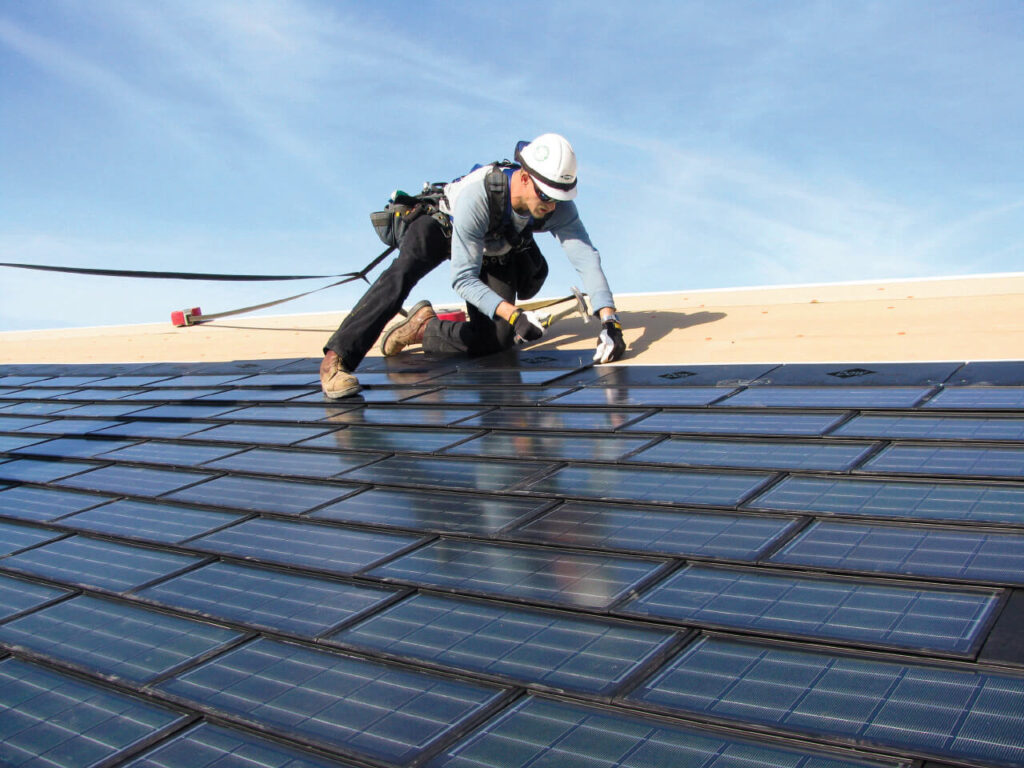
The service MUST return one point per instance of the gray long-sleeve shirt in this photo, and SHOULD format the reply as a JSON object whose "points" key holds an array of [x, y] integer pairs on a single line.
{"points": [[468, 207]]}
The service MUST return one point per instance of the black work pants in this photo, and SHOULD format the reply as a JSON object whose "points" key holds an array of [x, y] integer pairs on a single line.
{"points": [[424, 246]]}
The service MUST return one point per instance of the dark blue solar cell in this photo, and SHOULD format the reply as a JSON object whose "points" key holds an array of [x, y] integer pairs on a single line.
{"points": [[254, 395], [186, 411], [10, 422], [268, 599], [509, 377], [675, 486], [177, 454], [398, 439], [935, 427], [73, 447], [430, 511], [498, 396], [294, 463], [210, 746], [404, 416], [326, 548], [281, 496], [366, 708], [269, 434], [954, 712], [827, 397], [981, 398], [368, 395], [114, 639], [103, 395], [93, 563], [39, 471], [954, 553], [17, 595], [822, 456], [308, 380], [44, 503], [20, 381], [165, 429], [34, 394], [875, 613], [468, 474], [963, 460], [169, 394], [561, 650], [724, 423], [49, 719], [976, 502], [657, 530], [149, 522], [540, 732], [541, 445], [69, 381], [619, 397], [13, 443], [15, 537], [537, 573], [296, 413], [200, 380], [102, 410], [137, 481], [555, 419], [71, 426], [129, 381]]}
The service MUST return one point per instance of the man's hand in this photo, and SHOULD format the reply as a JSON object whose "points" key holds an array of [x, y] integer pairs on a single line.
{"points": [[526, 326], [610, 344]]}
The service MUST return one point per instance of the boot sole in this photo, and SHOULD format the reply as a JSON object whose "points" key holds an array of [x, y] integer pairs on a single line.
{"points": [[338, 394], [401, 324]]}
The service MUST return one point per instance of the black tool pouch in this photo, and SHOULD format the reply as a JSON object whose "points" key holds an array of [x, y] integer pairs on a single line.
{"points": [[531, 271]]}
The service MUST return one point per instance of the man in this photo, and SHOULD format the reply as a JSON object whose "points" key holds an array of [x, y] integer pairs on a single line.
{"points": [[485, 227]]}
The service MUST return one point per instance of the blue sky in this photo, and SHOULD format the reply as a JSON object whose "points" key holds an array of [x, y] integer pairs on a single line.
{"points": [[719, 144]]}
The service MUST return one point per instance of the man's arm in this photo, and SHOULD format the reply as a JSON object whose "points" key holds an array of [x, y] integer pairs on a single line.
{"points": [[469, 229]]}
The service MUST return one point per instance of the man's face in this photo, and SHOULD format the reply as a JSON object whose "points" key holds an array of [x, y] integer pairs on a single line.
{"points": [[540, 204]]}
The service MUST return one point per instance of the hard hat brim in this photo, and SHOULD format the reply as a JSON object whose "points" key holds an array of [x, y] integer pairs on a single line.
{"points": [[554, 193]]}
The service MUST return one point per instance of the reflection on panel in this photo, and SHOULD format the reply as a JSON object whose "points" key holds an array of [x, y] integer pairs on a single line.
{"points": [[541, 445], [560, 650], [430, 510], [55, 720], [549, 575], [825, 457], [957, 713], [675, 486], [337, 550], [178, 454], [269, 599], [536, 732], [467, 474], [499, 396], [402, 440], [403, 416], [137, 481], [875, 613], [657, 530], [976, 502], [17, 595], [71, 447], [294, 463], [554, 419], [114, 639], [366, 708], [15, 537], [38, 471], [271, 434], [953, 553]]}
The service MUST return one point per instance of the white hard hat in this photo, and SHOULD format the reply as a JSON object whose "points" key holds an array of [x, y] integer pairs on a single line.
{"points": [[551, 163]]}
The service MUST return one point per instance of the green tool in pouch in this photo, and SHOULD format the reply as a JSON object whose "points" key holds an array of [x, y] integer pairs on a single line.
{"points": [[403, 209]]}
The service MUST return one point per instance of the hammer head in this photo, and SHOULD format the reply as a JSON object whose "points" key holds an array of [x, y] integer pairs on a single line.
{"points": [[581, 304]]}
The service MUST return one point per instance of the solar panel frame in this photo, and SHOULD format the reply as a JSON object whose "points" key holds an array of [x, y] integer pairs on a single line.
{"points": [[19, 596], [938, 426], [827, 397], [339, 670], [153, 522], [642, 397], [967, 398], [844, 602], [577, 419], [391, 439], [738, 423], [887, 675], [16, 502], [447, 473], [262, 494], [978, 460], [775, 455]]}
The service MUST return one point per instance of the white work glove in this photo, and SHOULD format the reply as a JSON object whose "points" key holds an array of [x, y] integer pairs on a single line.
{"points": [[610, 344], [526, 326]]}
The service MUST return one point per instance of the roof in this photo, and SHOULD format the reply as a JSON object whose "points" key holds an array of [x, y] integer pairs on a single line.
{"points": [[519, 560]]}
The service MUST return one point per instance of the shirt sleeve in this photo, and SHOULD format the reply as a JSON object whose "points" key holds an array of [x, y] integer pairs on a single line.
{"points": [[570, 233], [469, 229]]}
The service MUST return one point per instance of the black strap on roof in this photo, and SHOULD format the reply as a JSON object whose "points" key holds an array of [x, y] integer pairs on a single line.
{"points": [[163, 275]]}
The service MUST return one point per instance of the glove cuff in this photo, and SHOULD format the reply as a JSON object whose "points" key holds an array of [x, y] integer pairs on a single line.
{"points": [[514, 317]]}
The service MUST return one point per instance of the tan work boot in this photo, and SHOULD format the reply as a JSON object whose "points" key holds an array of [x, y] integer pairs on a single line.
{"points": [[335, 381], [408, 331]]}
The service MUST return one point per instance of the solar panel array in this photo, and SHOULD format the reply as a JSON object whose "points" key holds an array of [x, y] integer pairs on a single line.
{"points": [[516, 561]]}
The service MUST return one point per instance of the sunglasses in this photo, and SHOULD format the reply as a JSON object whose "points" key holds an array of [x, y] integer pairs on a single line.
{"points": [[543, 198]]}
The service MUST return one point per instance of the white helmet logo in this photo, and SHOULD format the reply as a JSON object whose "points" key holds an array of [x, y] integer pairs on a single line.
{"points": [[542, 153]]}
